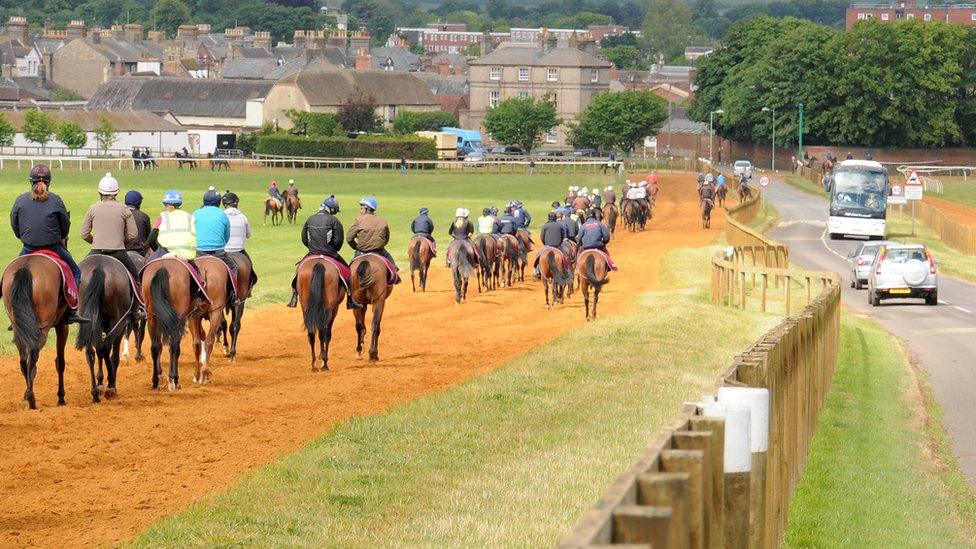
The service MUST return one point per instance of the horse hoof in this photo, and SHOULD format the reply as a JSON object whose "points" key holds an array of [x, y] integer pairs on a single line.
{"points": [[196, 379], [110, 394], [374, 360], [314, 369], [359, 356], [27, 405], [60, 402], [173, 386]]}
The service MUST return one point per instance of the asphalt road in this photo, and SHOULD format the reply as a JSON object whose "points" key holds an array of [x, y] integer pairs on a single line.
{"points": [[941, 337]]}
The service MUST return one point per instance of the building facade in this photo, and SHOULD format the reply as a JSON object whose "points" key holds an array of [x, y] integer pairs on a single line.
{"points": [[961, 14]]}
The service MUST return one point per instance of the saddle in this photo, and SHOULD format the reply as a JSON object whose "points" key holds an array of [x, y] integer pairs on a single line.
{"points": [[582, 255], [191, 268], [430, 242], [394, 277], [345, 275], [69, 288]]}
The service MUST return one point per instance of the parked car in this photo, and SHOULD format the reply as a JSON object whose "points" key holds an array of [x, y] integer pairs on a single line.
{"points": [[510, 150], [862, 260], [901, 271], [586, 153], [742, 167], [474, 159], [550, 153]]}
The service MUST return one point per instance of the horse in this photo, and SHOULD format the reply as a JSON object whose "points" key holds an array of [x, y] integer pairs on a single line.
{"points": [[511, 254], [634, 215], [525, 238], [610, 213], [706, 212], [489, 247], [108, 299], [218, 163], [292, 205], [167, 290], [216, 276], [35, 303], [555, 274], [592, 268], [419, 253], [320, 291], [185, 159], [745, 193], [370, 286], [463, 257], [272, 206], [235, 308], [137, 326], [720, 193]]}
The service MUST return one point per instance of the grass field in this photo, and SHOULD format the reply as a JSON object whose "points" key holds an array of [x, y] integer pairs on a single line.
{"points": [[512, 458], [867, 481], [956, 189]]}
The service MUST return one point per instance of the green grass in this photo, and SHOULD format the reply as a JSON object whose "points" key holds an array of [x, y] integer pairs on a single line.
{"points": [[867, 482], [804, 184], [955, 189], [952, 262], [511, 458]]}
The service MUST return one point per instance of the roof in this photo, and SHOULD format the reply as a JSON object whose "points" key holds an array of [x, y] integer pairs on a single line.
{"points": [[444, 85], [335, 87], [252, 53], [179, 96], [510, 54], [401, 58], [131, 52], [123, 121], [862, 164]]}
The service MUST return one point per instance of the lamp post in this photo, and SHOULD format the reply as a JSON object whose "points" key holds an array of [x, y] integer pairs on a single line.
{"points": [[711, 131], [773, 111]]}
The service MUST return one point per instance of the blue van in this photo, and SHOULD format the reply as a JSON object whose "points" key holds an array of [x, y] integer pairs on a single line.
{"points": [[469, 141]]}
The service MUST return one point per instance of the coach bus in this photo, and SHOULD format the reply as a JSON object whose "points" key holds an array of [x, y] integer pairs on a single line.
{"points": [[858, 200]]}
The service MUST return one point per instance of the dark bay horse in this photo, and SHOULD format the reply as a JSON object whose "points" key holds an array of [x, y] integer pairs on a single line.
{"points": [[168, 292], [463, 257], [137, 326], [525, 238], [610, 215], [320, 291], [273, 207], [217, 278], [745, 193], [246, 279], [108, 299], [706, 212], [489, 255], [592, 268], [635, 217], [554, 274], [34, 302], [370, 286], [720, 194], [511, 259], [419, 253], [292, 205]]}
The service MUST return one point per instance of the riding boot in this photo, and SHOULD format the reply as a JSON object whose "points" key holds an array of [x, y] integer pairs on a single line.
{"points": [[294, 300], [72, 317], [351, 304]]}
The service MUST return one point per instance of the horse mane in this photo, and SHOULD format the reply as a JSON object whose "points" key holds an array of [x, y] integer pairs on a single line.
{"points": [[365, 274], [27, 327], [90, 333]]}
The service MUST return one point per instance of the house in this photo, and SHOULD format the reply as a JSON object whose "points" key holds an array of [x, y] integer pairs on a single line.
{"points": [[83, 64], [328, 90], [567, 76], [903, 10], [693, 53], [133, 129], [452, 92], [394, 58]]}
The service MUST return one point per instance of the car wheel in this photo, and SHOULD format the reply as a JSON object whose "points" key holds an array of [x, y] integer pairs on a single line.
{"points": [[932, 299], [857, 284], [874, 299], [853, 283]]}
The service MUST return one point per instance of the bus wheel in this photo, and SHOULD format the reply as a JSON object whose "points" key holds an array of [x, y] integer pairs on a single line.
{"points": [[834, 236]]}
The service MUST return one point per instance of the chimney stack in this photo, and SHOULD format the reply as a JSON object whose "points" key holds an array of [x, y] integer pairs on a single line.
{"points": [[203, 28], [444, 67], [187, 33], [76, 29], [299, 40], [156, 36], [364, 61], [96, 35], [119, 67], [47, 58], [17, 26], [358, 40], [133, 32], [262, 39]]}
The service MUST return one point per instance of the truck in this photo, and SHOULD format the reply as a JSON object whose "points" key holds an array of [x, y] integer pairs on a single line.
{"points": [[469, 141], [446, 143]]}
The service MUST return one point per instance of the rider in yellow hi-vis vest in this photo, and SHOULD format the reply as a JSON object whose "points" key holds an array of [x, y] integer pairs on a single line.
{"points": [[174, 231], [487, 222]]}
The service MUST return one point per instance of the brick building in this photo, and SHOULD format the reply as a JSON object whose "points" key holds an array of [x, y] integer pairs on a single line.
{"points": [[962, 14]]}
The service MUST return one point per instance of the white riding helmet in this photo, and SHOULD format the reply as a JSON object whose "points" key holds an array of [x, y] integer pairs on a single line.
{"points": [[108, 185], [609, 188], [291, 181], [628, 182], [584, 190], [460, 212], [570, 188]]}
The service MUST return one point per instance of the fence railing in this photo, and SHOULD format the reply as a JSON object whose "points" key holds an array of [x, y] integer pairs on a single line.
{"points": [[958, 236]]}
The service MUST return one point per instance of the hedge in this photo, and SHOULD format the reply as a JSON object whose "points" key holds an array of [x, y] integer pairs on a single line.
{"points": [[414, 148]]}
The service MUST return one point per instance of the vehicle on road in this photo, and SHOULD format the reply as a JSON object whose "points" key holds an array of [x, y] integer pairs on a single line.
{"points": [[742, 168], [469, 141], [858, 200], [903, 271], [474, 159], [862, 260], [509, 150]]}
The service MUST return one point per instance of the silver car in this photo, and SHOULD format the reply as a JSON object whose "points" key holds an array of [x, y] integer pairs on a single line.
{"points": [[861, 262], [903, 270], [742, 168]]}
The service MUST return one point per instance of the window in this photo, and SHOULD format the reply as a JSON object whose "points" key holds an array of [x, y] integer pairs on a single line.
{"points": [[972, 17], [524, 71], [927, 17], [552, 75], [495, 73], [884, 16], [594, 75], [553, 98], [551, 136], [860, 17], [909, 16], [522, 94], [493, 98]]}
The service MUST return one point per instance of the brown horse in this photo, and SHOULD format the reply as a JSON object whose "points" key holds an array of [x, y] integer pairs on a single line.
{"points": [[246, 279], [34, 302], [489, 256], [706, 212], [635, 216], [292, 205], [745, 193], [592, 268], [108, 299], [217, 278], [554, 275], [138, 326], [419, 253], [167, 290], [610, 215], [525, 238], [511, 254], [463, 257], [275, 208], [370, 286], [320, 291], [720, 194]]}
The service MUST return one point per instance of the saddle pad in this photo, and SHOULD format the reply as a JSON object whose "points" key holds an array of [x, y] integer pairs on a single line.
{"points": [[582, 255], [562, 256], [393, 278], [344, 273], [69, 288], [190, 268]]}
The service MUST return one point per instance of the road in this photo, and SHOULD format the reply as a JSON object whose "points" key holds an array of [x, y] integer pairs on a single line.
{"points": [[941, 337]]}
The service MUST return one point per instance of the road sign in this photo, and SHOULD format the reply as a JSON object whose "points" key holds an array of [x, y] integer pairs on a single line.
{"points": [[897, 195], [764, 181], [914, 189]]}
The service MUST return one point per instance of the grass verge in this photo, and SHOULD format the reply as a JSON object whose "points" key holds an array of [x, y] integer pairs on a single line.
{"points": [[956, 189], [805, 185], [868, 480], [511, 458]]}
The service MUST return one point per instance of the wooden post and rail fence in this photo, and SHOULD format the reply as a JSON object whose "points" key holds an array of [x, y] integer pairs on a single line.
{"points": [[723, 474]]}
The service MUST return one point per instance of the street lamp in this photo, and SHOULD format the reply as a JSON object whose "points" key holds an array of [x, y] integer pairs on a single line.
{"points": [[711, 131], [773, 111]]}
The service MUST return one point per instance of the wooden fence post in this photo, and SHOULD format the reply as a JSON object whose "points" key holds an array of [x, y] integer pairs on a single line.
{"points": [[670, 490], [640, 524], [691, 462], [762, 299]]}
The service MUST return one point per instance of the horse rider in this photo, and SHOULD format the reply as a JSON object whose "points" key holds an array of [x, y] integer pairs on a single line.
{"points": [[273, 192], [596, 198], [174, 231], [240, 227], [213, 229], [292, 190], [582, 201], [701, 179], [744, 184], [850, 156], [370, 233], [487, 224], [461, 229], [720, 181], [133, 201], [570, 194], [423, 225], [609, 196], [109, 226], [568, 223], [322, 234], [706, 192], [522, 216], [41, 222], [497, 228], [651, 178], [507, 224], [593, 234], [638, 194], [552, 234]]}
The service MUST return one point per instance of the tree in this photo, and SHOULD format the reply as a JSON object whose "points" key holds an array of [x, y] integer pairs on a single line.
{"points": [[167, 15], [521, 122], [624, 57], [39, 127], [409, 121], [625, 39], [359, 113], [280, 21], [619, 120], [667, 27], [105, 134], [314, 124], [71, 135], [7, 132]]}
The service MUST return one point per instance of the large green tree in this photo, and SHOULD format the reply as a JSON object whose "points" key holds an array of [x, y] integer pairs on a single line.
{"points": [[105, 134], [619, 120], [167, 15], [71, 135], [39, 127], [667, 27], [521, 122], [7, 132]]}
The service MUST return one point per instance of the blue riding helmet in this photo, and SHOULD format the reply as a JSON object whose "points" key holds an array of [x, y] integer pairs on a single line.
{"points": [[211, 198], [424, 211], [133, 198], [173, 198], [331, 204], [369, 202]]}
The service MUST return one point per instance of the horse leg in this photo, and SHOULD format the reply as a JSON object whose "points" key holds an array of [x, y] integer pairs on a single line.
{"points": [[155, 352], [237, 315], [423, 275], [585, 287], [413, 283], [326, 340], [596, 299], [545, 290], [174, 365], [90, 358], [140, 336], [62, 338], [311, 345], [458, 294], [113, 367], [360, 316], [374, 351], [207, 344], [196, 326]]}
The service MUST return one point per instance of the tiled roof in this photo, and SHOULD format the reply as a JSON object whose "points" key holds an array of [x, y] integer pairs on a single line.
{"points": [[510, 54], [179, 96], [335, 87]]}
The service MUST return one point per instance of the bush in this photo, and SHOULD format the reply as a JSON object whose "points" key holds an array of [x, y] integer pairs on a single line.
{"points": [[314, 124], [409, 122], [414, 148]]}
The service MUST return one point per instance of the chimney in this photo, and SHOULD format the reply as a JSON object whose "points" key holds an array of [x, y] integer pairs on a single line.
{"points": [[203, 28], [47, 58], [187, 33], [364, 61], [311, 52], [96, 35], [157, 36], [486, 44], [119, 67], [338, 38], [76, 29], [6, 71], [317, 39], [17, 26], [299, 40], [358, 40], [262, 39], [444, 67], [133, 32]]}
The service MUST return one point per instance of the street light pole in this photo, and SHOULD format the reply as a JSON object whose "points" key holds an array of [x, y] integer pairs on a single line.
{"points": [[773, 159], [711, 131]]}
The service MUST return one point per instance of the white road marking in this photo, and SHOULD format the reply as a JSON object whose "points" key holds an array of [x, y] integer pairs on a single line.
{"points": [[945, 331], [967, 311], [823, 238]]}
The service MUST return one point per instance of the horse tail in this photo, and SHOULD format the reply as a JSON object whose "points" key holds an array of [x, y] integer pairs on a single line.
{"points": [[365, 275], [170, 323], [485, 260], [511, 250], [415, 256], [465, 267], [591, 272], [316, 313], [89, 333], [27, 328]]}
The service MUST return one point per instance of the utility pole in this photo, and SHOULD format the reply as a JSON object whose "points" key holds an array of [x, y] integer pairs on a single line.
{"points": [[772, 111], [799, 154]]}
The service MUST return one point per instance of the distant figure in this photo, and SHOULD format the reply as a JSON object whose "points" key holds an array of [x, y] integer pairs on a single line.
{"points": [[403, 165], [850, 156]]}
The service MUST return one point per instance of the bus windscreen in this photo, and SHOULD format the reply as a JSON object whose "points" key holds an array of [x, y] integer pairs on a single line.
{"points": [[859, 193]]}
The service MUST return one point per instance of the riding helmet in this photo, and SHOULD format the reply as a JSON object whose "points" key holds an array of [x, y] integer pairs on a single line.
{"points": [[424, 211], [133, 198], [331, 203], [108, 185], [460, 212], [486, 211], [552, 216], [230, 199], [211, 197], [369, 202], [40, 172], [173, 198]]}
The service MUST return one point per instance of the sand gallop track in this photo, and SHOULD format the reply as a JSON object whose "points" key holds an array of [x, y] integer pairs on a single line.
{"points": [[96, 474]]}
